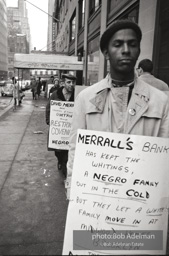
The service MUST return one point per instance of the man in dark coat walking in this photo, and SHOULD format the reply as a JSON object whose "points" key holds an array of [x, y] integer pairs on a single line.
{"points": [[64, 93], [39, 85], [33, 86]]}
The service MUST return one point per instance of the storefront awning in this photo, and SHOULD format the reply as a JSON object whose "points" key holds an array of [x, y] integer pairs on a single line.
{"points": [[44, 61]]}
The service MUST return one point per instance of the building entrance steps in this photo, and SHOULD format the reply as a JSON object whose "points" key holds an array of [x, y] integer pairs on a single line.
{"points": [[33, 204]]}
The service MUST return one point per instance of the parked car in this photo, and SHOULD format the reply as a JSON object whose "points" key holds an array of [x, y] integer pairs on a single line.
{"points": [[7, 89], [2, 83]]}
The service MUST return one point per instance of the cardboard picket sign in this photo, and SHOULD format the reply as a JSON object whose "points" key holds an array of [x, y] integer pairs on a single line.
{"points": [[120, 183], [61, 114]]}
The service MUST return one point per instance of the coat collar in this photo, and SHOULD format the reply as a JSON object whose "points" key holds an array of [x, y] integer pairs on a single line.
{"points": [[140, 91]]}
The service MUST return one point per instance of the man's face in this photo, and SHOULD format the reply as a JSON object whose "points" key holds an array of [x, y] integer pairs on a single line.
{"points": [[123, 51], [69, 84]]}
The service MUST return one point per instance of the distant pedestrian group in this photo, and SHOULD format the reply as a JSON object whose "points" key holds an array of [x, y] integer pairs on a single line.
{"points": [[36, 88]]}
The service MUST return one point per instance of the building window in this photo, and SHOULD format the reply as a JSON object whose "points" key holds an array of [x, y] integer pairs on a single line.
{"points": [[73, 27], [81, 13], [132, 14], [112, 4], [93, 6]]}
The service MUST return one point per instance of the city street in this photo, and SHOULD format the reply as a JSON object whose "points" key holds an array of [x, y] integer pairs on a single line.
{"points": [[32, 195]]}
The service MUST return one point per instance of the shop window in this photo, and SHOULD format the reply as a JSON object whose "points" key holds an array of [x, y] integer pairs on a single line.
{"points": [[73, 27], [93, 6], [81, 13]]}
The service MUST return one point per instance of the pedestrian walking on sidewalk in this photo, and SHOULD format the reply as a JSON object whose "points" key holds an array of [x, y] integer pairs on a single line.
{"points": [[33, 86], [15, 92], [55, 87], [64, 93], [39, 85], [145, 72]]}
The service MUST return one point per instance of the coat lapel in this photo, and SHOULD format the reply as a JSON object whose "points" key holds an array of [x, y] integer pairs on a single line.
{"points": [[140, 107], [99, 101], [138, 103]]}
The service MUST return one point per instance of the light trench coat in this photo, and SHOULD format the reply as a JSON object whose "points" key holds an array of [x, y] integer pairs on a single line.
{"points": [[16, 93], [151, 112]]}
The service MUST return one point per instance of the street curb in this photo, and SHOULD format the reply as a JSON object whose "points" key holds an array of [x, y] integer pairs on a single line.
{"points": [[6, 109]]}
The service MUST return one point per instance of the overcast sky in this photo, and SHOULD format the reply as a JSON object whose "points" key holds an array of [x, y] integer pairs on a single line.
{"points": [[38, 21]]}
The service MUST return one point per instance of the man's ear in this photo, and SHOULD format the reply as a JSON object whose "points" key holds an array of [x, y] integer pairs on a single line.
{"points": [[105, 53], [141, 71]]}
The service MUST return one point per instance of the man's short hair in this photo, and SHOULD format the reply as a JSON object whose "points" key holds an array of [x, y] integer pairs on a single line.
{"points": [[116, 26], [146, 65]]}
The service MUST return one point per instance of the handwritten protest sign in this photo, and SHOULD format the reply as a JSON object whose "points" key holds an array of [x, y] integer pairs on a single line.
{"points": [[60, 124], [120, 187]]}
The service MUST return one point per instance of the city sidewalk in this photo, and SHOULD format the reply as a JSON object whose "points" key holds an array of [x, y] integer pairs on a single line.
{"points": [[33, 204]]}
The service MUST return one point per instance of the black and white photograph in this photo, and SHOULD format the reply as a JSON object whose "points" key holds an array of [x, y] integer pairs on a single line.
{"points": [[84, 127]]}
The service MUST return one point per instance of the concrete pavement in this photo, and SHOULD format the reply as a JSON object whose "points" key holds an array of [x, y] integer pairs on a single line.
{"points": [[32, 196]]}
